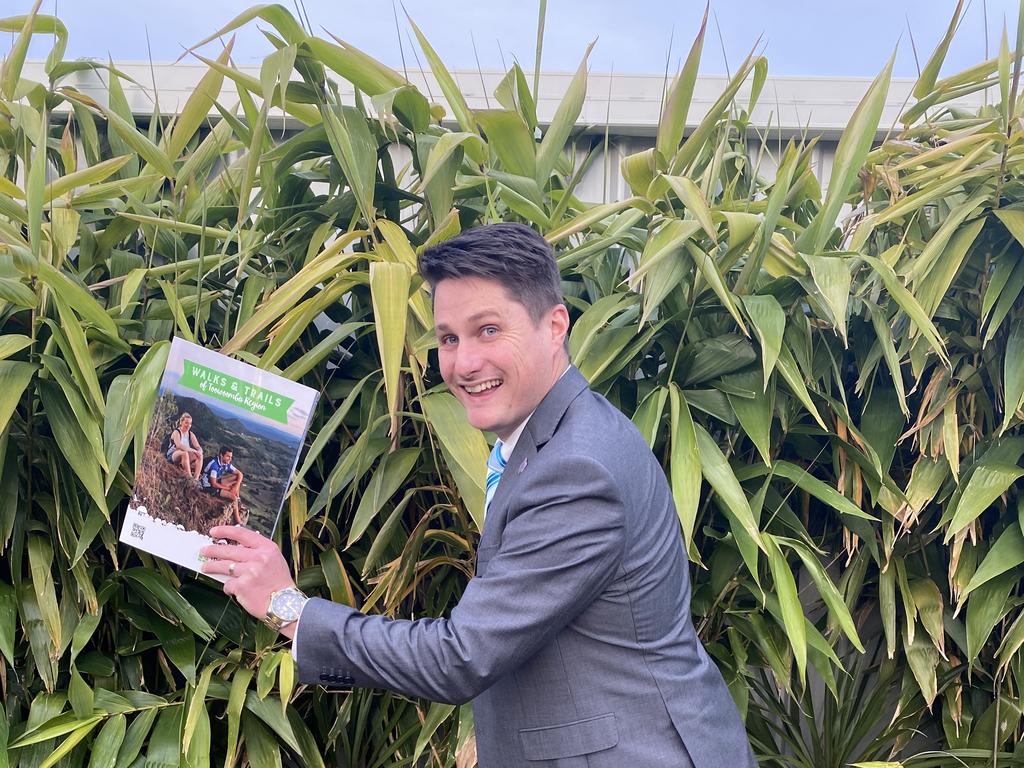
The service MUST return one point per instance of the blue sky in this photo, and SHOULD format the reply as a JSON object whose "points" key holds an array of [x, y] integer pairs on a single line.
{"points": [[800, 37]]}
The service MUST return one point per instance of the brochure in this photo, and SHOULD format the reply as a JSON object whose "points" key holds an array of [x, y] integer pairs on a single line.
{"points": [[223, 442]]}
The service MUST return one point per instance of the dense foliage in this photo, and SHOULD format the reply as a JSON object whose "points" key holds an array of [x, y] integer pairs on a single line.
{"points": [[851, 394]]}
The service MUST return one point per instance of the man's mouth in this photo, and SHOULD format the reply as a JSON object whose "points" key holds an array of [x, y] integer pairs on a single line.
{"points": [[483, 386]]}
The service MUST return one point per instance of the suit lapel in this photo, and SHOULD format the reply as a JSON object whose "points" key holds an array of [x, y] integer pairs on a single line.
{"points": [[538, 431]]}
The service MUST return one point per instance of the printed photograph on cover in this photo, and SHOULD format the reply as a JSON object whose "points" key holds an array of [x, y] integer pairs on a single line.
{"points": [[223, 442]]}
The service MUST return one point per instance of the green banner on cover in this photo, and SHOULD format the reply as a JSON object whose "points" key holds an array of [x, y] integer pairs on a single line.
{"points": [[237, 392]]}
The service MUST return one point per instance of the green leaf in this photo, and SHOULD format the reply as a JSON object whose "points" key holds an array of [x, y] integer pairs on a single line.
{"points": [[16, 58], [791, 373], [196, 707], [923, 658], [85, 177], [769, 321], [697, 142], [510, 138], [131, 136], [563, 122], [436, 715], [987, 483], [364, 72], [849, 158], [513, 92], [985, 608], [168, 600], [72, 741], [685, 458], [389, 289], [929, 605], [711, 274], [54, 728], [828, 591], [14, 378], [464, 448], [926, 80], [647, 417], [197, 107], [236, 700], [74, 446], [79, 299], [680, 94], [720, 477], [387, 479], [450, 89], [8, 620], [356, 152], [934, 284], [805, 481], [1013, 375], [103, 753], [444, 150], [660, 268], [690, 196], [754, 412], [138, 732], [1006, 554], [789, 603], [883, 334], [833, 279], [80, 358], [40, 557]]}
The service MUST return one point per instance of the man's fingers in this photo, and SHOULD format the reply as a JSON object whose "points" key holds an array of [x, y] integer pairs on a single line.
{"points": [[222, 567], [244, 536], [227, 552]]}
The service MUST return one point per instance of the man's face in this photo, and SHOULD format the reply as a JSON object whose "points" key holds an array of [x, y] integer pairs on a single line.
{"points": [[225, 458], [495, 359]]}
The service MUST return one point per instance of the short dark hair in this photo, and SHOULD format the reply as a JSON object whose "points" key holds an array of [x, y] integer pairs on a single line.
{"points": [[225, 449], [511, 254]]}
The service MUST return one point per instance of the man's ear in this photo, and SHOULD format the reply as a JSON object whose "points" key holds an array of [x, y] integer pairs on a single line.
{"points": [[559, 320]]}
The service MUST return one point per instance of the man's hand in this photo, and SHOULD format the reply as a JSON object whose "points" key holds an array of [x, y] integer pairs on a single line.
{"points": [[254, 566]]}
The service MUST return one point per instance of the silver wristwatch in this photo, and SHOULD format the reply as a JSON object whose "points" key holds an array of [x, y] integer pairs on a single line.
{"points": [[285, 607]]}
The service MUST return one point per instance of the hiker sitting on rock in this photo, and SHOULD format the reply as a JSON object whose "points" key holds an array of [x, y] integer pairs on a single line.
{"points": [[222, 478], [183, 448]]}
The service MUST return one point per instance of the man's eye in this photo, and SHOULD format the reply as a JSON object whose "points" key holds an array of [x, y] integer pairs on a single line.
{"points": [[449, 339], [490, 330]]}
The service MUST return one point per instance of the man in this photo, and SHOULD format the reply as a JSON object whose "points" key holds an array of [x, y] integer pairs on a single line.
{"points": [[221, 477], [574, 640]]}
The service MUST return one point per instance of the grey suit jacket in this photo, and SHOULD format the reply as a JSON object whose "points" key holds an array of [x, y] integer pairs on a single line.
{"points": [[574, 640]]}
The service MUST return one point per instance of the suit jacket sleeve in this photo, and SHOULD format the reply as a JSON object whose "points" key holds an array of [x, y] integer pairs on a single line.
{"points": [[560, 548]]}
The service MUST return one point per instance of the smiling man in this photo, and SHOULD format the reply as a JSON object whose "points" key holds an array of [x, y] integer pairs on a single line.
{"points": [[574, 639]]}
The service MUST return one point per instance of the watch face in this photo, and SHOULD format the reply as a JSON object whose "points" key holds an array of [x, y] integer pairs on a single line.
{"points": [[287, 604]]}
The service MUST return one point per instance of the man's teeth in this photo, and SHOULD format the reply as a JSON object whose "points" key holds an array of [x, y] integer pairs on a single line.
{"points": [[483, 386]]}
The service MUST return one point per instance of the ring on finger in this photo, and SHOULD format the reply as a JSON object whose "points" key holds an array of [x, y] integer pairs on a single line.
{"points": [[231, 568]]}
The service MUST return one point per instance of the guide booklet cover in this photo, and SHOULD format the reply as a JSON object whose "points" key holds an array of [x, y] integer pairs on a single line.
{"points": [[223, 442]]}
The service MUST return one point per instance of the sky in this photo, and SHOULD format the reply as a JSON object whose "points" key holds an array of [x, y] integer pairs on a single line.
{"points": [[799, 37]]}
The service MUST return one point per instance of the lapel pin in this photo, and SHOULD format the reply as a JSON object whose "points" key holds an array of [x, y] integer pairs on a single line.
{"points": [[522, 467]]}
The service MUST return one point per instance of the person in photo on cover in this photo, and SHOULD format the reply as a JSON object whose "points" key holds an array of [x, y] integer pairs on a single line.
{"points": [[574, 639], [223, 479], [184, 449]]}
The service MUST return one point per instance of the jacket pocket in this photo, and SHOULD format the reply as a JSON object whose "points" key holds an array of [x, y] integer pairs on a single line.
{"points": [[580, 737]]}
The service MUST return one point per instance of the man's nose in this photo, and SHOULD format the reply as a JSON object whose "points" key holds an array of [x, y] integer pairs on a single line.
{"points": [[467, 360]]}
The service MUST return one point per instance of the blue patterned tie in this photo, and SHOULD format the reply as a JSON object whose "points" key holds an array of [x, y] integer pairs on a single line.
{"points": [[495, 466]]}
